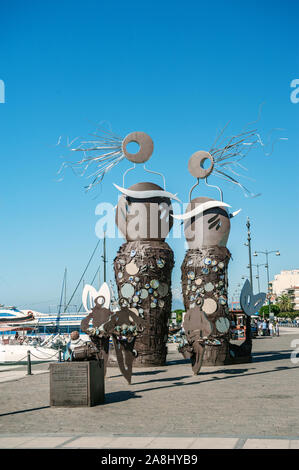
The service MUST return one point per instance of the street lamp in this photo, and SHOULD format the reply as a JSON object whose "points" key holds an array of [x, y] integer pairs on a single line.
{"points": [[257, 273], [249, 249], [267, 253]]}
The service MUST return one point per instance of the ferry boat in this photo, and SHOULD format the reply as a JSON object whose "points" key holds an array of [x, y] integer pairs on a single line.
{"points": [[33, 322]]}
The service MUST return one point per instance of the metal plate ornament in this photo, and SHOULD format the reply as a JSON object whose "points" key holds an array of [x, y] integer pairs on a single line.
{"points": [[132, 268], [222, 300], [209, 287], [222, 324], [154, 283], [160, 263], [209, 306], [143, 294], [127, 291]]}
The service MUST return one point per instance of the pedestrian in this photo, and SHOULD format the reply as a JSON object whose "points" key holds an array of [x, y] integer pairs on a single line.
{"points": [[277, 329], [271, 328], [264, 327]]}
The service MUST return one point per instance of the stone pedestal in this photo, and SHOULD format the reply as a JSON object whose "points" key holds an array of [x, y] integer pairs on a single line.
{"points": [[77, 384]]}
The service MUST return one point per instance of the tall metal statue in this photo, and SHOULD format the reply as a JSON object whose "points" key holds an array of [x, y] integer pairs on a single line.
{"points": [[204, 269], [144, 263]]}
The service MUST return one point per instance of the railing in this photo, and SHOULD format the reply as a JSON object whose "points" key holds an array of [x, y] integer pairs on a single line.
{"points": [[43, 359]]}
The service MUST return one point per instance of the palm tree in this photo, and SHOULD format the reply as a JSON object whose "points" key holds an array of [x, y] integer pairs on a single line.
{"points": [[285, 303]]}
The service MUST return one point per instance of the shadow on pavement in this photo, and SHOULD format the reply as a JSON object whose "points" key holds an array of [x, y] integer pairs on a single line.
{"points": [[25, 411], [213, 379], [146, 372], [166, 379], [178, 361], [116, 397], [271, 355]]}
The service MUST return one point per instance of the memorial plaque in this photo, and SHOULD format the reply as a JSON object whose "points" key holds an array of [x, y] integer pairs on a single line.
{"points": [[77, 383]]}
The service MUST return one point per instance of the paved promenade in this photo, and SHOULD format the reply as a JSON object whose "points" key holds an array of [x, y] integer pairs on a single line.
{"points": [[243, 406]]}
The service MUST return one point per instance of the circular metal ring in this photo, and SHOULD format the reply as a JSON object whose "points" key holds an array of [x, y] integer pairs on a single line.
{"points": [[96, 300], [195, 164], [146, 147]]}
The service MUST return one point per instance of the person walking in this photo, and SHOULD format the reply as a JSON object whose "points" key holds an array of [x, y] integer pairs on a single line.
{"points": [[264, 327], [271, 328]]}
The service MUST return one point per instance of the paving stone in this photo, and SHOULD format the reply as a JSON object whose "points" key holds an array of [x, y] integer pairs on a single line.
{"points": [[214, 443], [293, 444], [46, 442], [129, 442], [13, 442], [171, 443], [89, 442], [266, 444]]}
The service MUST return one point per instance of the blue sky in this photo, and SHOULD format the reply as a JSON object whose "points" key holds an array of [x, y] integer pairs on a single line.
{"points": [[176, 70]]}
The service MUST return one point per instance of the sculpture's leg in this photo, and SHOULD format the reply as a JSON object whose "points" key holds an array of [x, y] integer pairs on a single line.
{"points": [[143, 276], [125, 357], [204, 284]]}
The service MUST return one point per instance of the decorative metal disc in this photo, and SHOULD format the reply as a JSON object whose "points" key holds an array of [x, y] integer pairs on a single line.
{"points": [[222, 324], [127, 291], [209, 306], [146, 147], [196, 162], [160, 263], [154, 283], [132, 268], [209, 287], [163, 289], [143, 294], [222, 300]]}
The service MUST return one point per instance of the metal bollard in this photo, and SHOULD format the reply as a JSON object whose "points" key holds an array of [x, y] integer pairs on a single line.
{"points": [[28, 363]]}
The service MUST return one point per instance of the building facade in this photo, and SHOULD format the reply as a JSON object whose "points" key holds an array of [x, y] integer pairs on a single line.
{"points": [[287, 282]]}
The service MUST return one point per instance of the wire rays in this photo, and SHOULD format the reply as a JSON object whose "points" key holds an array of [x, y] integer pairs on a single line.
{"points": [[228, 154], [106, 152]]}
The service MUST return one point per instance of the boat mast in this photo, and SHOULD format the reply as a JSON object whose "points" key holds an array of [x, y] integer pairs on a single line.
{"points": [[104, 256]]}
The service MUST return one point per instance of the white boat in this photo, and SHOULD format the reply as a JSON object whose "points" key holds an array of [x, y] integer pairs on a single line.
{"points": [[17, 353]]}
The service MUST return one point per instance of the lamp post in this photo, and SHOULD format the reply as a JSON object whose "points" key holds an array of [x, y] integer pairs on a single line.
{"points": [[257, 274], [248, 243], [267, 253]]}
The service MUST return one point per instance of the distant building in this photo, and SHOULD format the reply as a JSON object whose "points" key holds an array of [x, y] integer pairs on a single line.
{"points": [[293, 293], [287, 282]]}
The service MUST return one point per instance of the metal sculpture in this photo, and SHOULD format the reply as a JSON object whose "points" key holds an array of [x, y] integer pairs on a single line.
{"points": [[204, 269], [100, 323], [144, 263], [250, 304]]}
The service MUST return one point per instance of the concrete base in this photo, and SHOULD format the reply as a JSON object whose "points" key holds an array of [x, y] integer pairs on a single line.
{"points": [[77, 384]]}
